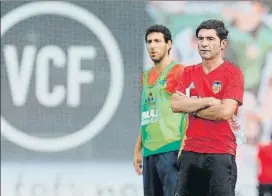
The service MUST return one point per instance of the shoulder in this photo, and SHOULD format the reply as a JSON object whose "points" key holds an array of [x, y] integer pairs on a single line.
{"points": [[265, 146], [147, 71], [192, 68], [144, 73], [178, 66], [176, 69], [232, 68]]}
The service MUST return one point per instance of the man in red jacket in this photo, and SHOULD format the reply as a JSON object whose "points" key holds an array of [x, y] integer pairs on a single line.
{"points": [[210, 93], [265, 169]]}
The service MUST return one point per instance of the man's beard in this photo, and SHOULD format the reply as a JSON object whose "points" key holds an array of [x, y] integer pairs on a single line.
{"points": [[157, 60]]}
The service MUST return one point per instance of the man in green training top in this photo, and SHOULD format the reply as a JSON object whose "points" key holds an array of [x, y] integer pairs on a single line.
{"points": [[162, 130]]}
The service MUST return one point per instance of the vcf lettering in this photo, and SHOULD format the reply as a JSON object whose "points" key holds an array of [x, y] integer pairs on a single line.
{"points": [[20, 73]]}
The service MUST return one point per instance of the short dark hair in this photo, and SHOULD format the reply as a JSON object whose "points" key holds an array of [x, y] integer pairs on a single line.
{"points": [[217, 25], [159, 29]]}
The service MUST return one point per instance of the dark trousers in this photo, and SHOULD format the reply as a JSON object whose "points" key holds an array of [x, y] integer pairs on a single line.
{"points": [[160, 174], [265, 189], [206, 175]]}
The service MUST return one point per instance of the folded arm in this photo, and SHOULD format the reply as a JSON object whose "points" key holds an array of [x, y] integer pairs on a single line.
{"points": [[222, 111], [183, 104]]}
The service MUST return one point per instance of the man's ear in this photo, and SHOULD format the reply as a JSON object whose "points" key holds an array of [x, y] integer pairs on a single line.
{"points": [[223, 44]]}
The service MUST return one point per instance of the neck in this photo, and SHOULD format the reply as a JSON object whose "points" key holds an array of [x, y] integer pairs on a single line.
{"points": [[211, 64], [163, 63]]}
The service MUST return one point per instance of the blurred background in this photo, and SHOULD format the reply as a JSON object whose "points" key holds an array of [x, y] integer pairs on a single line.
{"points": [[70, 89]]}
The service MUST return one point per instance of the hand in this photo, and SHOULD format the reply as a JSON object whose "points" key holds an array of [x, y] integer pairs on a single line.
{"points": [[177, 96], [179, 153], [182, 145], [213, 101], [177, 162], [179, 93], [137, 162]]}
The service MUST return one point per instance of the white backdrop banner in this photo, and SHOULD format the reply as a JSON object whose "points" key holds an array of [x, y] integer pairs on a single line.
{"points": [[88, 179]]}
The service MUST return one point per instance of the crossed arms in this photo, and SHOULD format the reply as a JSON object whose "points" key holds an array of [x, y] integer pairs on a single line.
{"points": [[208, 108]]}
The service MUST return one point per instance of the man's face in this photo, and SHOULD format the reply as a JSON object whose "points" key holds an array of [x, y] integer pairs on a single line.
{"points": [[209, 44], [157, 47]]}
